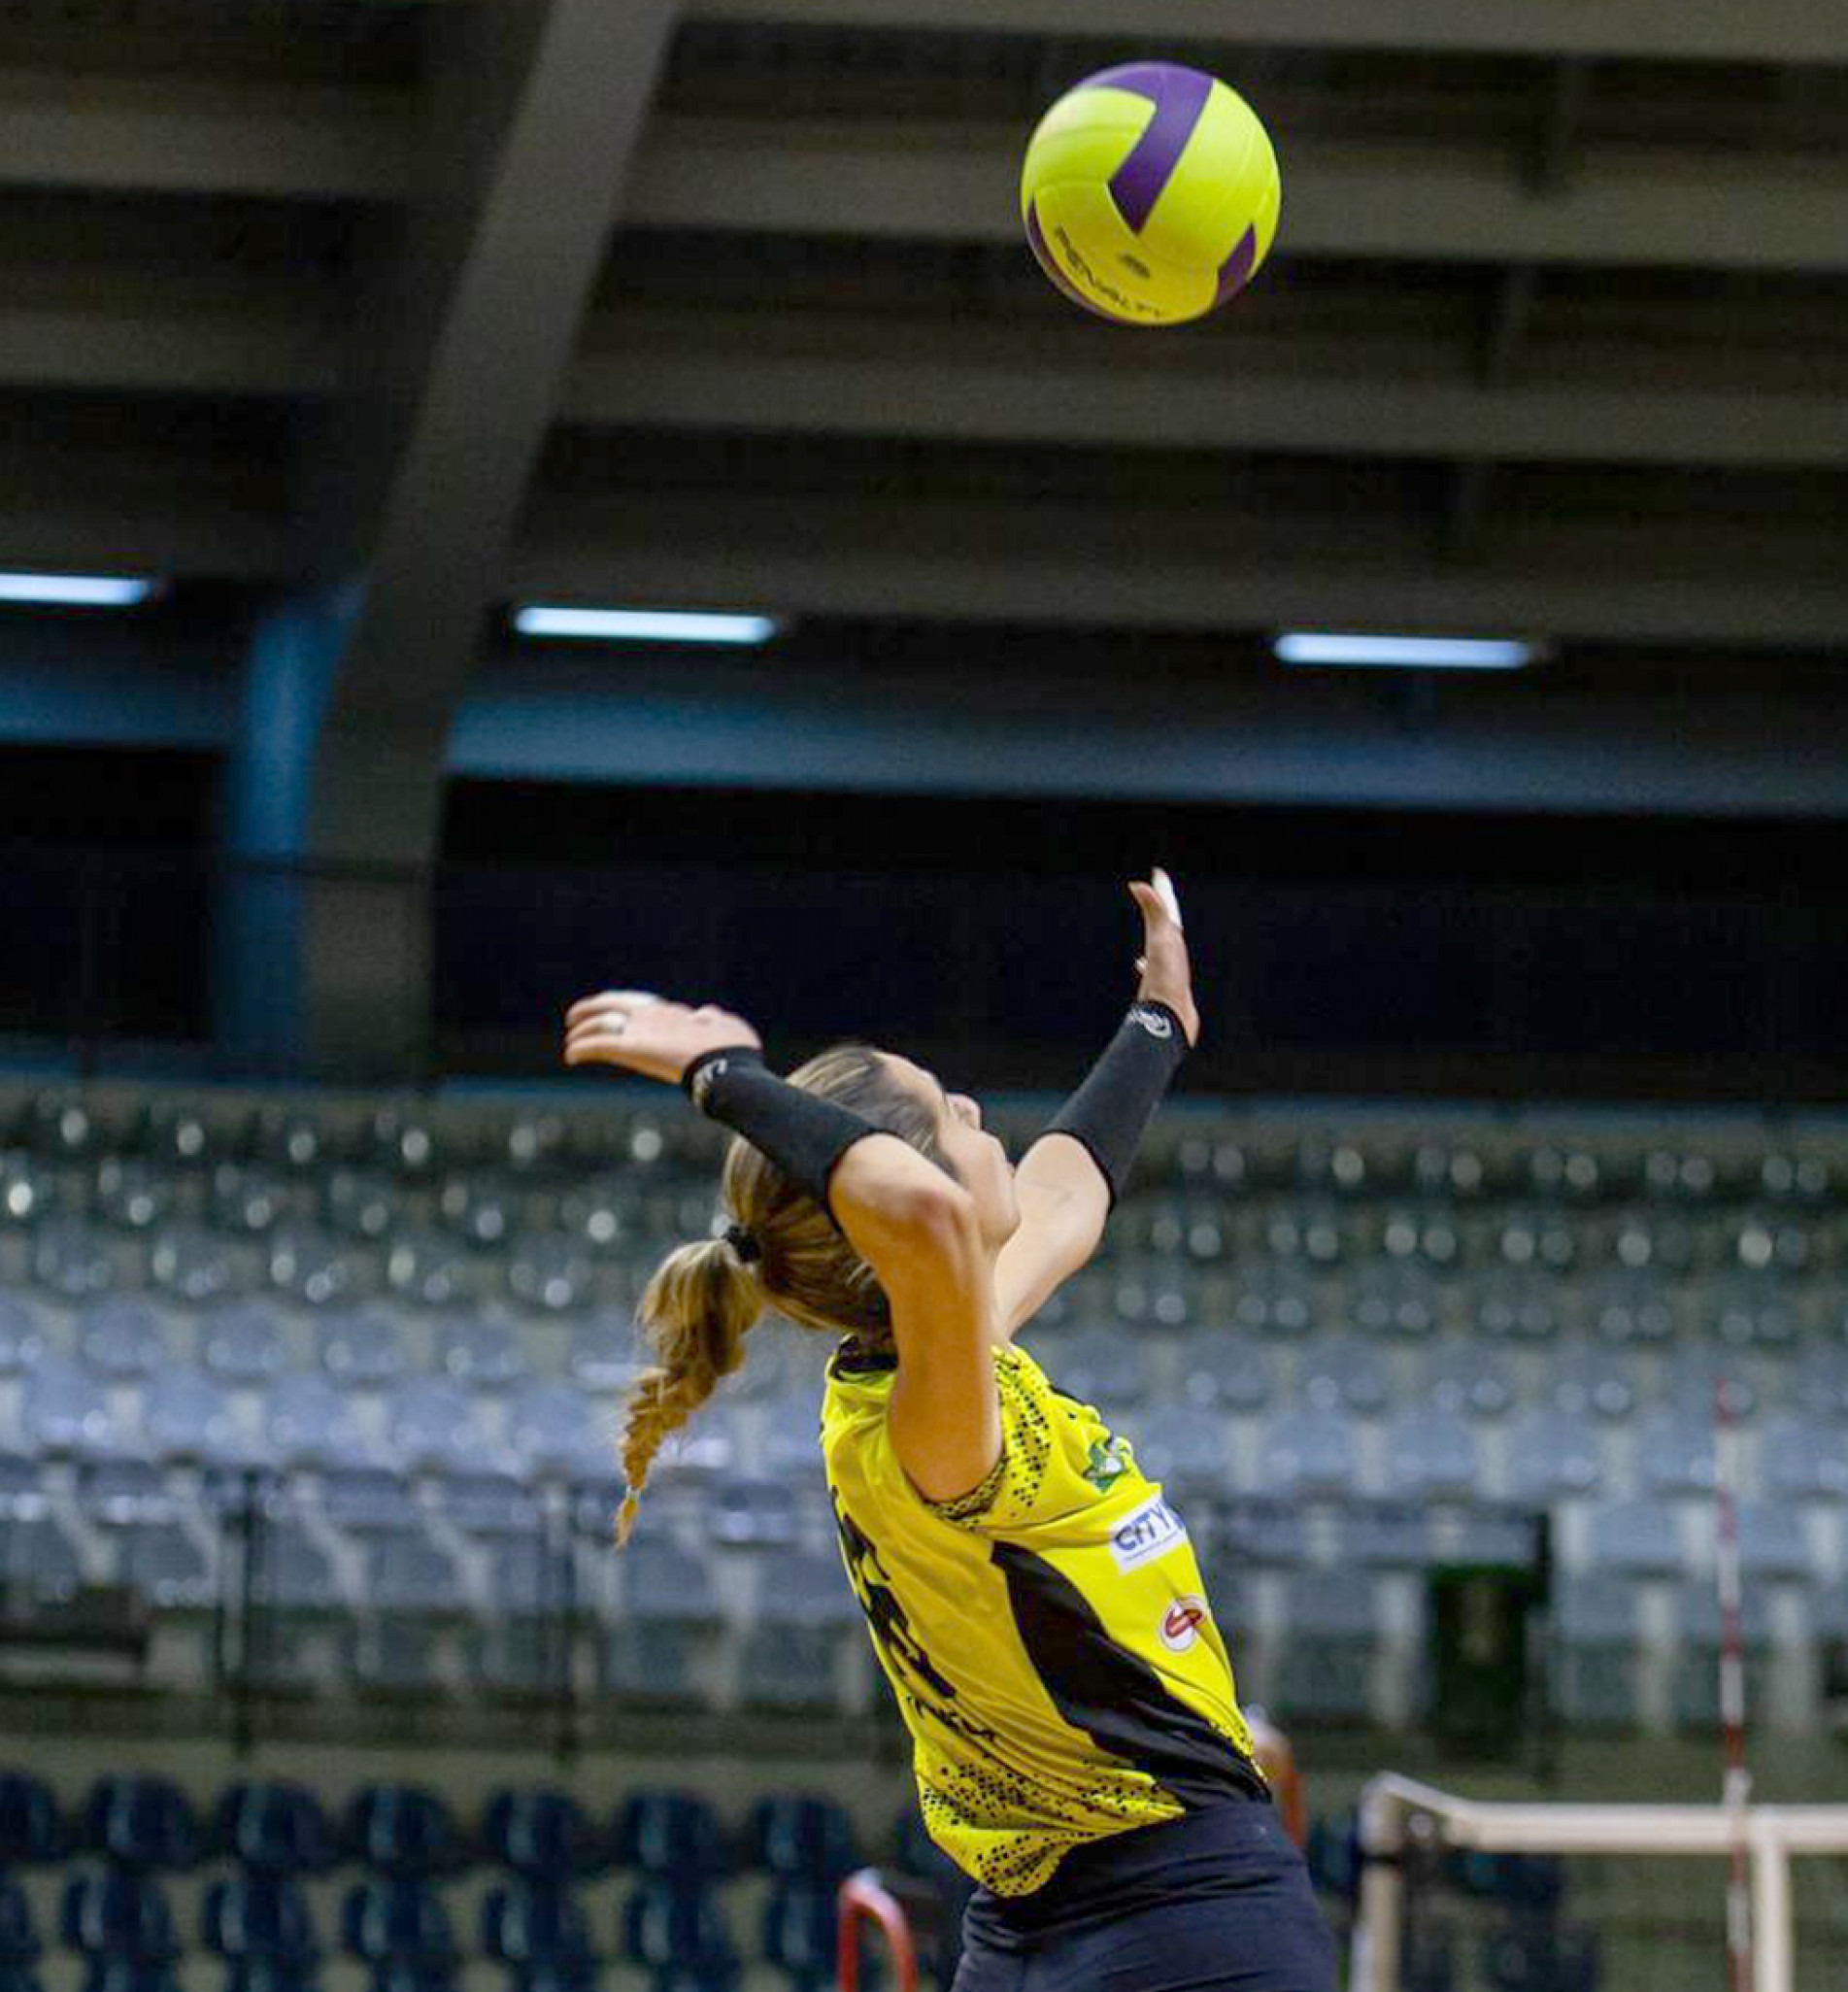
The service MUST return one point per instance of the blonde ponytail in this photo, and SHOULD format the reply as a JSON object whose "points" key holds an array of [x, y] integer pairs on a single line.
{"points": [[704, 1297], [698, 1308]]}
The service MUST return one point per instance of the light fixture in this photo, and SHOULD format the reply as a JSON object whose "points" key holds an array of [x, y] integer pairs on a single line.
{"points": [[643, 625], [76, 590], [1405, 653]]}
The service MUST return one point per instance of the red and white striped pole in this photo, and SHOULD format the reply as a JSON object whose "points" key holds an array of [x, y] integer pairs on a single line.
{"points": [[1738, 1788]]}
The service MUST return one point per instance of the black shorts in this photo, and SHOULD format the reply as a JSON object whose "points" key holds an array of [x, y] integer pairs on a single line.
{"points": [[1213, 1901]]}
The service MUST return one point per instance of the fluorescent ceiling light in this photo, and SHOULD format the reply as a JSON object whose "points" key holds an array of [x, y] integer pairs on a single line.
{"points": [[1406, 652], [643, 625], [76, 590]]}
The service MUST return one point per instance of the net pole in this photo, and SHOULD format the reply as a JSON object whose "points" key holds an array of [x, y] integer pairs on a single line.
{"points": [[1737, 1784]]}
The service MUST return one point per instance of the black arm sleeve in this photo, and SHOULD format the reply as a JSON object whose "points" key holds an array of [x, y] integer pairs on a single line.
{"points": [[802, 1134], [1111, 1111]]}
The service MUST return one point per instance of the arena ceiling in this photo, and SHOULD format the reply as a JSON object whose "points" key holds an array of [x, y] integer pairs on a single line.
{"points": [[726, 303]]}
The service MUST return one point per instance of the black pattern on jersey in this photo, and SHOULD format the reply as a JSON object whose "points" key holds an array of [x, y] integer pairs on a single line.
{"points": [[920, 1680], [1113, 1695]]}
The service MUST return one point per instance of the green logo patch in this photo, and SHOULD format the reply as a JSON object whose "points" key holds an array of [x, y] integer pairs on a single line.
{"points": [[1109, 1462]]}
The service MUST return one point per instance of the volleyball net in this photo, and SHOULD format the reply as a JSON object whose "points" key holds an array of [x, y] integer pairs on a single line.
{"points": [[1458, 1894]]}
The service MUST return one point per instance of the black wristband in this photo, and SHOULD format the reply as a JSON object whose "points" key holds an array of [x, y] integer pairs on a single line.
{"points": [[802, 1134], [1111, 1111]]}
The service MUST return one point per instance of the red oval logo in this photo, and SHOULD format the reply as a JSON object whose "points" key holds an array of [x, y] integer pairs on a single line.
{"points": [[1181, 1623]]}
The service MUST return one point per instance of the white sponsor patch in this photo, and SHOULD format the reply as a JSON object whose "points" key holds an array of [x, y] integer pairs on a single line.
{"points": [[1146, 1533], [1181, 1623]]}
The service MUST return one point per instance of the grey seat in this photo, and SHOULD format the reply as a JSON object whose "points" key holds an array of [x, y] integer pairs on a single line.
{"points": [[1516, 1308], [311, 1265], [478, 1210], [162, 1562], [406, 1572], [1820, 1384], [363, 1349], [432, 1428], [120, 1493], [1158, 1292], [555, 1433], [1399, 1300], [187, 1416], [38, 1560], [427, 1268], [1553, 1456], [605, 1354], [1695, 1380], [1592, 1381], [198, 1265], [1189, 1450], [1342, 1372], [805, 1607], [666, 1617], [21, 1335], [1099, 1366], [73, 1259], [28, 1191], [550, 1271], [1330, 1635], [749, 1511], [1675, 1455], [1227, 1371], [1639, 1538], [360, 1203], [481, 1355], [121, 1337], [309, 1424], [243, 1346], [63, 1410], [1803, 1459], [488, 1504], [1698, 1645], [792, 1427], [1594, 1676], [1753, 1314], [1432, 1455], [1273, 1300], [295, 1596], [1773, 1542], [1308, 1452], [1465, 1378], [369, 1500], [132, 1193], [248, 1200], [1632, 1309]]}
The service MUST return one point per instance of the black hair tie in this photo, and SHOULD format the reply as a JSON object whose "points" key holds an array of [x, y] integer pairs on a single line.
{"points": [[744, 1244]]}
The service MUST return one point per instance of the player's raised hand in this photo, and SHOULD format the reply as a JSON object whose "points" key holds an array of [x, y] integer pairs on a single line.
{"points": [[1167, 976], [639, 1032]]}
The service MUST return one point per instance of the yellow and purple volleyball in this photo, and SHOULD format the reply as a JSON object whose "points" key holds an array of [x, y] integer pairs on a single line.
{"points": [[1150, 193]]}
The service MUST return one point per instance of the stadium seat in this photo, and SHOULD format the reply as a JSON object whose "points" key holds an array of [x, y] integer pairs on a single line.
{"points": [[1395, 1300], [1432, 1455], [147, 1824], [1675, 1455], [243, 1346], [681, 1931], [673, 1836], [1773, 1544], [1803, 1459], [273, 1828], [1098, 1365], [1696, 1653], [1340, 1372], [114, 1914], [404, 1833], [32, 1830], [311, 1423], [37, 1562], [1595, 1382], [362, 1349], [1637, 1539], [247, 1200], [22, 1333], [1273, 1300], [489, 1504], [548, 1272], [312, 1266], [195, 1266], [481, 1355], [432, 1428], [792, 1647], [1462, 1377], [1820, 1383], [28, 1190], [1308, 1452], [246, 1918], [541, 1933], [429, 1269], [62, 1409], [751, 1511], [20, 1946], [168, 1567], [1594, 1677], [1516, 1308], [1220, 1370], [1189, 1450], [670, 1611], [401, 1928], [369, 1500], [800, 1934], [801, 1838], [544, 1836], [1534, 1951], [187, 1416], [555, 1434], [73, 1258], [1632, 1309], [1330, 1637], [1552, 1456], [121, 1337]]}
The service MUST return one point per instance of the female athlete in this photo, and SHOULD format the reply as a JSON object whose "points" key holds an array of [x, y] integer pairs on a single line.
{"points": [[1033, 1601]]}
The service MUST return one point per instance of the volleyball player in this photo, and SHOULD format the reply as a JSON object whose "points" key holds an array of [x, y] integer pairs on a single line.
{"points": [[1034, 1602]]}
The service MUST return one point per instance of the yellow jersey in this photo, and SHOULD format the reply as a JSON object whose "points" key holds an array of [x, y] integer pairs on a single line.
{"points": [[1048, 1635]]}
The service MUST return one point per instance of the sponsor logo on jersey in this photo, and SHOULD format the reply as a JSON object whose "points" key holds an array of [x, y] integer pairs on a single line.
{"points": [[1146, 1533], [1181, 1623], [1152, 1021], [1109, 1462]]}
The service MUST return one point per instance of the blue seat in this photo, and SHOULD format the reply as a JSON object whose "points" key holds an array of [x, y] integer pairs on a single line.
{"points": [[1637, 1538], [1432, 1455], [800, 1934], [397, 1922], [433, 1429], [1553, 1455], [1308, 1452], [481, 1355], [362, 1349], [274, 1828], [63, 1410], [805, 1608], [311, 1425], [1101, 1367], [20, 1946], [670, 1833], [196, 1265], [121, 1337], [245, 1346], [1227, 1372], [1339, 1372], [679, 1929], [249, 1916], [669, 1610], [167, 1568], [802, 1836], [544, 1836], [187, 1416], [1189, 1450], [402, 1831], [31, 1829], [555, 1434], [21, 1334], [538, 1929], [118, 1915], [147, 1824]]}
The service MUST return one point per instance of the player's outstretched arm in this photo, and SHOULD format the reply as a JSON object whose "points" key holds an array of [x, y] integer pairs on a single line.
{"points": [[1067, 1181]]}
